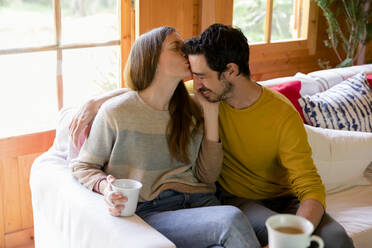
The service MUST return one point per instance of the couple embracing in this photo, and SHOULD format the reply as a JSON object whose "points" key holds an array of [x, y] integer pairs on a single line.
{"points": [[214, 164]]}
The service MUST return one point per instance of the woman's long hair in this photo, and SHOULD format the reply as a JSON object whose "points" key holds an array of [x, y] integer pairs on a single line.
{"points": [[185, 115]]}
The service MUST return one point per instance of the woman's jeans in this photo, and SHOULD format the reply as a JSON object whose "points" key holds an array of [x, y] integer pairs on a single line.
{"points": [[196, 220]]}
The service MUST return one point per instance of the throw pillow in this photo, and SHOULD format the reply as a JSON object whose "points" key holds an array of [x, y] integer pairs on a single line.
{"points": [[346, 106], [291, 90], [369, 78], [341, 157]]}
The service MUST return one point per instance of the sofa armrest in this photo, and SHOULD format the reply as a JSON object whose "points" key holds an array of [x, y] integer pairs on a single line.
{"points": [[66, 214]]}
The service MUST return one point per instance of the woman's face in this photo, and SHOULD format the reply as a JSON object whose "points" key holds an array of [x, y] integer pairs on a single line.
{"points": [[172, 62]]}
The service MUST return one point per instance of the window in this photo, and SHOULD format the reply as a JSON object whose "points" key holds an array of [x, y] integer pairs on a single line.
{"points": [[54, 54], [267, 21]]}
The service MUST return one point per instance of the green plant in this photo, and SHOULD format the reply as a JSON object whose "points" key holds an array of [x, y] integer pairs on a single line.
{"points": [[356, 14]]}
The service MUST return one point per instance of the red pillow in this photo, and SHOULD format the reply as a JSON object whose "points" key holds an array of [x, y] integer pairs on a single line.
{"points": [[369, 78], [291, 90]]}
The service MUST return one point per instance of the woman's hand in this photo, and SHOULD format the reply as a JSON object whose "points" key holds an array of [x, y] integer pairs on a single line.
{"points": [[83, 118], [204, 103], [115, 201], [210, 112]]}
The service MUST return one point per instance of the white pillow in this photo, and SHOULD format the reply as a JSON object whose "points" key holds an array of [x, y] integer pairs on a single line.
{"points": [[341, 157]]}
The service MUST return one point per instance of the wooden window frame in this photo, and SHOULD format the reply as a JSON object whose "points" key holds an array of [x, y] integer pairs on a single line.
{"points": [[126, 29], [221, 11]]}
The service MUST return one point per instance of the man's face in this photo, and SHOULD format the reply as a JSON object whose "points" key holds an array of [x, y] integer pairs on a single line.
{"points": [[206, 81]]}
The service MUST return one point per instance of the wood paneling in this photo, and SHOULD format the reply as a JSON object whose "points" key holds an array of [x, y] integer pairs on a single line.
{"points": [[12, 210], [16, 157], [195, 18], [174, 13], [369, 52], [215, 11], [24, 168], [25, 144], [312, 28], [2, 195], [21, 239], [268, 20], [127, 31], [224, 11]]}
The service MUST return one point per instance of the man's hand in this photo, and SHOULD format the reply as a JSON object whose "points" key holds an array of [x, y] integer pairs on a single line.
{"points": [[83, 119], [312, 210], [116, 201], [85, 116]]}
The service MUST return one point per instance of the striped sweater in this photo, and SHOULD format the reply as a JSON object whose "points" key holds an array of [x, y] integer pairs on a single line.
{"points": [[128, 140]]}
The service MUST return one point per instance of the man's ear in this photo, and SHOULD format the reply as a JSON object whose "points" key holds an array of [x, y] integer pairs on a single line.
{"points": [[232, 70]]}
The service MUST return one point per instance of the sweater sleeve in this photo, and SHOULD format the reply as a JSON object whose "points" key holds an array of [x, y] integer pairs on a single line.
{"points": [[95, 153], [295, 155], [209, 161]]}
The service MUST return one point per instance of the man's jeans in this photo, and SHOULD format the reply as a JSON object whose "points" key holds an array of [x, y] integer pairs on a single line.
{"points": [[196, 220], [258, 211]]}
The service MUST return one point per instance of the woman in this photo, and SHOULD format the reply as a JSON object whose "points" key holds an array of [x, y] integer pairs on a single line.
{"points": [[154, 134]]}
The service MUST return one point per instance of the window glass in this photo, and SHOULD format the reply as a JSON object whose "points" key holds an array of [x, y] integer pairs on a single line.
{"points": [[26, 23], [89, 72], [283, 20], [249, 16], [87, 21], [28, 98]]}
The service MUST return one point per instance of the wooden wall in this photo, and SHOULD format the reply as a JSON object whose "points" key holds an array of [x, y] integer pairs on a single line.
{"points": [[16, 157]]}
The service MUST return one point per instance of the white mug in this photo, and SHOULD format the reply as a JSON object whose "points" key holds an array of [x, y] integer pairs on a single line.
{"points": [[291, 231], [129, 188]]}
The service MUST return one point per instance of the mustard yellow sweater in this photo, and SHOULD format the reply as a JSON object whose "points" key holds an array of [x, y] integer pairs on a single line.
{"points": [[266, 153]]}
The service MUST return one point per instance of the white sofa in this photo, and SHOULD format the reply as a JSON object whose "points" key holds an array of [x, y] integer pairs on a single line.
{"points": [[68, 215]]}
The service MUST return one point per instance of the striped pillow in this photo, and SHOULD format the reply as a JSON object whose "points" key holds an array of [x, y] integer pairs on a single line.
{"points": [[346, 106]]}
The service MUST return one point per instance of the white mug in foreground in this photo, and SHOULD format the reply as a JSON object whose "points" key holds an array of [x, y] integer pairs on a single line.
{"points": [[129, 188], [291, 231]]}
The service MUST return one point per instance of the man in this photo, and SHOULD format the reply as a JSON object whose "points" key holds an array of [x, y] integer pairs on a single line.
{"points": [[267, 166]]}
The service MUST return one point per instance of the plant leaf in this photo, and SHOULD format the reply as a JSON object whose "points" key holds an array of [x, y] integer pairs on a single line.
{"points": [[345, 63]]}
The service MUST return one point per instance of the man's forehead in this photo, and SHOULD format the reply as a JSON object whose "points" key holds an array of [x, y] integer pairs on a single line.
{"points": [[198, 63]]}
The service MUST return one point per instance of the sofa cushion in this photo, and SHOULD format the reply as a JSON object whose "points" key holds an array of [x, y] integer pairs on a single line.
{"points": [[291, 90], [331, 77], [341, 157], [346, 106], [352, 209]]}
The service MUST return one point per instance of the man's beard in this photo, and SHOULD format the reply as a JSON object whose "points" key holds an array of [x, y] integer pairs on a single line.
{"points": [[227, 86]]}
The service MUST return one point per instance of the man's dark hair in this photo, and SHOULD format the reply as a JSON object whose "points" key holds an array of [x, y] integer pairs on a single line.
{"points": [[221, 44]]}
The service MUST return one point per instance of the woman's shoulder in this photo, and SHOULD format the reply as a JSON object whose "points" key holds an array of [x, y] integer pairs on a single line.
{"points": [[121, 102]]}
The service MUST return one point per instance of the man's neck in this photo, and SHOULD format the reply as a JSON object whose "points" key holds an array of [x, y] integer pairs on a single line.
{"points": [[244, 94]]}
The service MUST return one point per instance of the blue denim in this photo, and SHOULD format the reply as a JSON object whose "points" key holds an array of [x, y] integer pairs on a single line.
{"points": [[197, 220]]}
